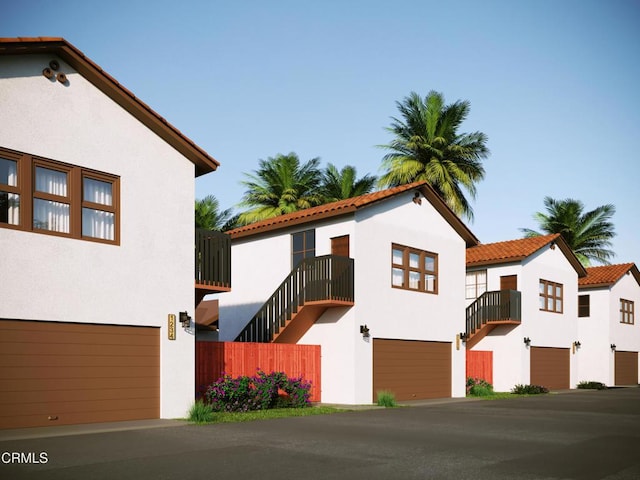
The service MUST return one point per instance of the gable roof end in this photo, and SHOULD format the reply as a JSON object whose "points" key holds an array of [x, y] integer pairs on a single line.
{"points": [[607, 275], [203, 162], [511, 251], [350, 205]]}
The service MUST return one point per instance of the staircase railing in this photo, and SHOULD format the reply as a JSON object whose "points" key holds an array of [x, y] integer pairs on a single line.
{"points": [[493, 306], [213, 258], [314, 279]]}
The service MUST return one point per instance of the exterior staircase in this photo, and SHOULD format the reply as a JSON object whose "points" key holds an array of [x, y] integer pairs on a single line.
{"points": [[315, 285], [499, 307]]}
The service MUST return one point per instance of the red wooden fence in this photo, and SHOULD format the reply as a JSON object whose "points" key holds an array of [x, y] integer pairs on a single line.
{"points": [[480, 365], [213, 359]]}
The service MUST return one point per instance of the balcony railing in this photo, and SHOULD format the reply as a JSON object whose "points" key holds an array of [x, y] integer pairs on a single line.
{"points": [[213, 260], [323, 279], [495, 306]]}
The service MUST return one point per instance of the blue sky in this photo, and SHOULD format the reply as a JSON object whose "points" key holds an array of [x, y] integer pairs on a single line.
{"points": [[554, 85]]}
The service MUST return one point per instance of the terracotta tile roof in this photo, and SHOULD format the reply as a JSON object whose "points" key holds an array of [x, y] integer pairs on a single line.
{"points": [[350, 205], [111, 87], [508, 251], [519, 249], [606, 275]]}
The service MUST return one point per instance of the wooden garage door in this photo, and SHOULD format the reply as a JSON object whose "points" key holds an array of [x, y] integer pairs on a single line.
{"points": [[550, 367], [412, 370], [65, 373], [626, 368]]}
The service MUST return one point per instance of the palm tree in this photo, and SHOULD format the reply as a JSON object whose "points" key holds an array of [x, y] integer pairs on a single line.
{"points": [[343, 184], [209, 216], [588, 234], [427, 146], [281, 185]]}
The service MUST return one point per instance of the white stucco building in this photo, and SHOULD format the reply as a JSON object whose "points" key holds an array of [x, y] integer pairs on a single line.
{"points": [[607, 302], [532, 331], [97, 241], [388, 320]]}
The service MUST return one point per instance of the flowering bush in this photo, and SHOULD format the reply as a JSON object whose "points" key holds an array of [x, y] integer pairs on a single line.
{"points": [[259, 392], [478, 387]]}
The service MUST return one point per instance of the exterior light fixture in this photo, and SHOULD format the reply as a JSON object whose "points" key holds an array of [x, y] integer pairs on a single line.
{"points": [[463, 336], [364, 330], [527, 341], [577, 344], [185, 319], [613, 347]]}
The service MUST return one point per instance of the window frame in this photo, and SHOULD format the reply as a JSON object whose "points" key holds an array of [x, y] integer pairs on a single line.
{"points": [[475, 284], [628, 312], [406, 268], [584, 308], [305, 251], [26, 189], [553, 296]]}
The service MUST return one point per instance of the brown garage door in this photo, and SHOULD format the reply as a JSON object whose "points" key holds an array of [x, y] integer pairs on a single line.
{"points": [[550, 367], [412, 370], [65, 373], [626, 368]]}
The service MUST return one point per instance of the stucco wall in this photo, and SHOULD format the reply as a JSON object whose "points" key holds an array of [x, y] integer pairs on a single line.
{"points": [[146, 277]]}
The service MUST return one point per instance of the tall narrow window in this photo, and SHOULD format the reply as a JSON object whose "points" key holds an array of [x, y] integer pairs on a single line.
{"points": [[414, 269], [626, 312], [550, 296], [584, 306], [303, 245], [9, 192], [476, 284], [98, 212], [51, 203]]}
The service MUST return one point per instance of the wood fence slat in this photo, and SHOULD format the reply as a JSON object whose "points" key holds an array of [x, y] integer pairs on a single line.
{"points": [[480, 365]]}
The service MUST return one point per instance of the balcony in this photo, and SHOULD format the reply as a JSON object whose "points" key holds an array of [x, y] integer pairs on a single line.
{"points": [[500, 307], [315, 285], [212, 263]]}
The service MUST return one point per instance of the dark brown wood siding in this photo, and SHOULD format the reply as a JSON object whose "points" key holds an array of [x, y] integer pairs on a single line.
{"points": [[66, 373], [340, 246], [509, 282], [412, 370], [550, 367], [626, 368]]}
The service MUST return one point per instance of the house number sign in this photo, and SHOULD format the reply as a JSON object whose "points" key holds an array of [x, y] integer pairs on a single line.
{"points": [[172, 326]]}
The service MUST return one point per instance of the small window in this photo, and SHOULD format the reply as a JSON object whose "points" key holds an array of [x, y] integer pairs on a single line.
{"points": [[303, 245], [414, 269], [583, 306], [476, 284], [626, 312], [550, 296], [9, 192]]}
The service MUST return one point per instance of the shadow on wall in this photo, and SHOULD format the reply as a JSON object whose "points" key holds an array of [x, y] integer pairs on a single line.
{"points": [[233, 318]]}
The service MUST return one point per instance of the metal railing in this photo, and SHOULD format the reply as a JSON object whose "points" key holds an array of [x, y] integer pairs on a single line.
{"points": [[326, 278], [213, 258], [493, 306]]}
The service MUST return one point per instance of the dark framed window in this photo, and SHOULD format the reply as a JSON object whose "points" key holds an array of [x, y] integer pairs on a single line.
{"points": [[51, 197], [626, 312], [414, 269], [303, 245], [550, 296], [476, 284], [584, 308]]}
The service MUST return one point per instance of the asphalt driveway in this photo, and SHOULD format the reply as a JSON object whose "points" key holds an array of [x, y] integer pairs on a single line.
{"points": [[577, 435]]}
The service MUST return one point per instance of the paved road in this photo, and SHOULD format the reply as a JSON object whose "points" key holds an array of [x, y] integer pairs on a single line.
{"points": [[580, 435]]}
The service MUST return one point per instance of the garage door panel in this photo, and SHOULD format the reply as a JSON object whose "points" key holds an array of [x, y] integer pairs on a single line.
{"points": [[550, 367], [626, 368], [77, 373], [412, 369]]}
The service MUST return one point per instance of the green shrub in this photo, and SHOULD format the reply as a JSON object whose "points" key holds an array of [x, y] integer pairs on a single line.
{"points": [[201, 412], [529, 389], [477, 387], [591, 385], [386, 399], [260, 392]]}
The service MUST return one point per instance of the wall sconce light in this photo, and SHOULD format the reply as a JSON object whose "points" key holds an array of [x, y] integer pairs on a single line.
{"points": [[577, 344], [416, 199], [613, 347], [185, 319], [364, 330], [527, 341], [463, 336]]}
